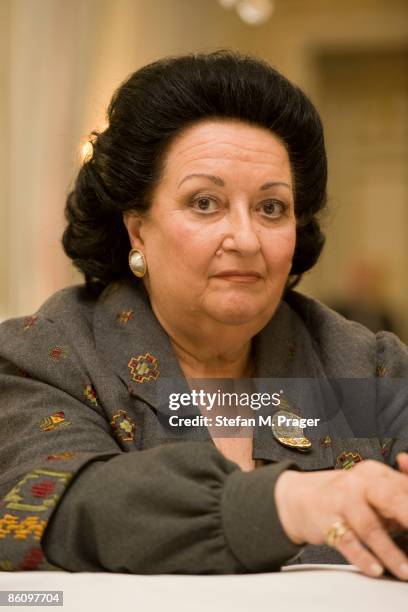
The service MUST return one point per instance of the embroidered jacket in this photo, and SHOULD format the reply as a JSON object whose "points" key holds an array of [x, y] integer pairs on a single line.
{"points": [[89, 483]]}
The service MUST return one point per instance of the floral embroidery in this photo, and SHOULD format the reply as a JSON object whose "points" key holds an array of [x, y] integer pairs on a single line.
{"points": [[32, 559], [10, 524], [125, 316], [347, 460], [123, 426], [54, 421], [35, 494], [90, 395], [143, 368], [58, 456], [56, 353], [29, 321], [326, 441], [381, 370]]}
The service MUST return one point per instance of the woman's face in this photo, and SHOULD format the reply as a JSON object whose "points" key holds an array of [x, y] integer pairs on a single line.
{"points": [[220, 234]]}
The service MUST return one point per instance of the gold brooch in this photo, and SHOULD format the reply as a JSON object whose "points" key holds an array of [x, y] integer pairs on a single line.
{"points": [[287, 430]]}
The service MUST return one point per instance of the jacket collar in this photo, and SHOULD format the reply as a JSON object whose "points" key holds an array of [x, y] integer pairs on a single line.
{"points": [[135, 346], [130, 339]]}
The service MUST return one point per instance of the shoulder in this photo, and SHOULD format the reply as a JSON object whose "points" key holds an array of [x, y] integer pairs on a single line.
{"points": [[70, 305], [347, 348], [59, 332]]}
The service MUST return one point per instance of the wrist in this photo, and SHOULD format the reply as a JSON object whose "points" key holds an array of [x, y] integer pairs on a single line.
{"points": [[287, 500]]}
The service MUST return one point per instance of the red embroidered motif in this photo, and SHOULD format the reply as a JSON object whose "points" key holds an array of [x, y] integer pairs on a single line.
{"points": [[143, 368], [91, 395], [29, 322], [125, 316], [43, 489], [123, 426], [53, 421], [32, 560], [56, 353]]}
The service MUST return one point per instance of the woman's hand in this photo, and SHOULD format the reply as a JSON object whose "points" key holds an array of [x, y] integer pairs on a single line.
{"points": [[367, 497]]}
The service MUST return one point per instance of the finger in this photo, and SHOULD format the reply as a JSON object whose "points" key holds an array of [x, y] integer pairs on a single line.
{"points": [[388, 495], [352, 549], [371, 532], [402, 461]]}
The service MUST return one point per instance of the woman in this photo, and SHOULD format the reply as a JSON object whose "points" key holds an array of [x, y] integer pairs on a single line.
{"points": [[196, 212]]}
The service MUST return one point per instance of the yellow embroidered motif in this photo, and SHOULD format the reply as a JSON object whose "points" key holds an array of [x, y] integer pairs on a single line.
{"points": [[143, 368], [15, 499], [125, 316], [381, 370], [347, 460], [123, 426], [21, 529], [6, 566], [57, 456], [91, 395], [53, 421], [326, 441]]}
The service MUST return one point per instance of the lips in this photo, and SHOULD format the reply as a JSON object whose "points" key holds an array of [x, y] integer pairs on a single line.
{"points": [[239, 275]]}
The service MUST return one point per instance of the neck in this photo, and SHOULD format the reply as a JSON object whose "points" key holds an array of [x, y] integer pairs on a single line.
{"points": [[233, 363], [223, 353]]}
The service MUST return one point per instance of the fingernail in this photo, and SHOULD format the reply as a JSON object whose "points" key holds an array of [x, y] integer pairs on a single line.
{"points": [[376, 569], [404, 569]]}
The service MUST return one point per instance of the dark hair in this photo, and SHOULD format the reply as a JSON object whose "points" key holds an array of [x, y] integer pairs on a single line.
{"points": [[145, 114]]}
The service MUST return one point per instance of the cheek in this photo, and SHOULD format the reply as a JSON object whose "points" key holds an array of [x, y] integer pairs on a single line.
{"points": [[279, 249], [182, 244]]}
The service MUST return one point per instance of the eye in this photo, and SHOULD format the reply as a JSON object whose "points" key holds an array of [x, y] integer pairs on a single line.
{"points": [[273, 209], [204, 204]]}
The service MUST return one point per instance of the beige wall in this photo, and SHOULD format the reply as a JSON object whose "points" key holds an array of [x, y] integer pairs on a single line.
{"points": [[4, 161], [64, 60]]}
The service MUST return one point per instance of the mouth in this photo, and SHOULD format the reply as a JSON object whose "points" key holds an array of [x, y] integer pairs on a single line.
{"points": [[239, 276]]}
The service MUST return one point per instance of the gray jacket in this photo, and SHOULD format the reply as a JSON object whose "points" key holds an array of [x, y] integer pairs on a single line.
{"points": [[88, 482]]}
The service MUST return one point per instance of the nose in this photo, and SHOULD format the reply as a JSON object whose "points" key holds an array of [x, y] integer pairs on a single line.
{"points": [[241, 235]]}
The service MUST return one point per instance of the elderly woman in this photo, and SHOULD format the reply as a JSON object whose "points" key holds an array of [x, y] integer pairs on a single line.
{"points": [[191, 221]]}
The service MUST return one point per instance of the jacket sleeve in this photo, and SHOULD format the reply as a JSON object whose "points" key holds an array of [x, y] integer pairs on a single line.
{"points": [[71, 498], [392, 394]]}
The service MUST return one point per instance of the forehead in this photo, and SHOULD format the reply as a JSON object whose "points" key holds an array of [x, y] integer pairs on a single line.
{"points": [[231, 141]]}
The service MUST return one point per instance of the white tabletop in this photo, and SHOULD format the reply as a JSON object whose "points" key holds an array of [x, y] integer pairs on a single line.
{"points": [[328, 588]]}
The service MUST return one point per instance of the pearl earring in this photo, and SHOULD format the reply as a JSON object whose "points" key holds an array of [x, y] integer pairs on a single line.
{"points": [[137, 263]]}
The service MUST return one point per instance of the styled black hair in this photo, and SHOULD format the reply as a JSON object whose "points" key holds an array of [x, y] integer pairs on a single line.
{"points": [[145, 114]]}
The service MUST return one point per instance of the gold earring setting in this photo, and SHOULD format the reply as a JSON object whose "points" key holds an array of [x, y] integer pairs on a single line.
{"points": [[137, 263]]}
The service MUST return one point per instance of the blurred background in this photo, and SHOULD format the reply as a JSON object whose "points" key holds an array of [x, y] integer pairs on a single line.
{"points": [[61, 61]]}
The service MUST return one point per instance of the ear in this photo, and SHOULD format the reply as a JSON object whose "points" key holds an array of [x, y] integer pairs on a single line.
{"points": [[134, 222]]}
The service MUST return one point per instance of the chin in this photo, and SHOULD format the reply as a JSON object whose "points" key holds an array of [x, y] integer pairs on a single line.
{"points": [[238, 312]]}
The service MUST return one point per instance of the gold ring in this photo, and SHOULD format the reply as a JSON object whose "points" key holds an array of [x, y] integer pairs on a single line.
{"points": [[336, 531]]}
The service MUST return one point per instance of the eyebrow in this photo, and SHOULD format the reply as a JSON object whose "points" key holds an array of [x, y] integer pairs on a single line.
{"points": [[218, 181]]}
